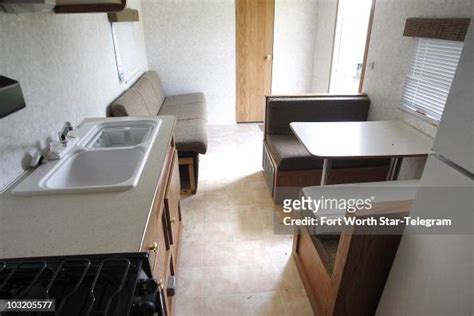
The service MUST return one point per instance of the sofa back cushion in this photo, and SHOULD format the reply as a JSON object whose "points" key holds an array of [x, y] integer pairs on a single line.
{"points": [[145, 88], [131, 103], [144, 98], [152, 77], [281, 111]]}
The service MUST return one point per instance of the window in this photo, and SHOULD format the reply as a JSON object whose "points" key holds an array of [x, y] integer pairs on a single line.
{"points": [[430, 76], [126, 40]]}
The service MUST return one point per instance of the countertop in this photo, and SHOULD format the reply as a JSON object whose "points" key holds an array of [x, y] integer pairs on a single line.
{"points": [[83, 223]]}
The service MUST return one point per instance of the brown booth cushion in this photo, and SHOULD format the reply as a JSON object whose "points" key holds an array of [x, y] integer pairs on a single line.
{"points": [[290, 154], [281, 112]]}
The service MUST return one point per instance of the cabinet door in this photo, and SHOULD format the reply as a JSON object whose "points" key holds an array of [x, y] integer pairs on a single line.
{"points": [[162, 253], [172, 205], [155, 244]]}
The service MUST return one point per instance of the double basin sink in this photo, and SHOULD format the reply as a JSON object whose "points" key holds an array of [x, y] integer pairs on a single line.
{"points": [[109, 156]]}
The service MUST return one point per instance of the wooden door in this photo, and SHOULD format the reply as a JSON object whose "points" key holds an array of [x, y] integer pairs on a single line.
{"points": [[254, 41]]}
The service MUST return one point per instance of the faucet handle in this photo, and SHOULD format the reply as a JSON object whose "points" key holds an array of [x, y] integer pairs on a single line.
{"points": [[68, 126], [64, 131]]}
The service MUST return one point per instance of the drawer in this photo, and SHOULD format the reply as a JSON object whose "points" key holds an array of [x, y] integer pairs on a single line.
{"points": [[172, 205]]}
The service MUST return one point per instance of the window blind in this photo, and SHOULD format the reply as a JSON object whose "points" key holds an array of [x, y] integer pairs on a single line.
{"points": [[430, 76], [126, 40]]}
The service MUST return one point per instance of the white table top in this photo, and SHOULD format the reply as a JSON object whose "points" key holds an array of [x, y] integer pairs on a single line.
{"points": [[362, 139]]}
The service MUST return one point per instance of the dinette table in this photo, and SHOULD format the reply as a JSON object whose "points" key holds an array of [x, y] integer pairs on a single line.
{"points": [[362, 140]]}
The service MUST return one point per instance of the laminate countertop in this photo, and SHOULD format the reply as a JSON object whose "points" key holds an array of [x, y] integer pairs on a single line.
{"points": [[84, 223]]}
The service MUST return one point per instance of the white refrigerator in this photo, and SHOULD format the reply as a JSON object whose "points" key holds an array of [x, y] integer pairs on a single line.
{"points": [[434, 274]]}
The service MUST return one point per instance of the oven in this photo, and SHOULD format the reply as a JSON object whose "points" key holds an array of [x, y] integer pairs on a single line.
{"points": [[109, 284]]}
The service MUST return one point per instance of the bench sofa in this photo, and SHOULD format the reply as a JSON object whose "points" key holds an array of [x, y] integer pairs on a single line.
{"points": [[146, 97], [288, 166]]}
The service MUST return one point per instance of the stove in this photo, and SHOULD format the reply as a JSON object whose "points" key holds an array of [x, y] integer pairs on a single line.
{"points": [[110, 284]]}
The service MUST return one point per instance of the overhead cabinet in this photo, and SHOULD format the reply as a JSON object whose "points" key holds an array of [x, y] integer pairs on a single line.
{"points": [[83, 6]]}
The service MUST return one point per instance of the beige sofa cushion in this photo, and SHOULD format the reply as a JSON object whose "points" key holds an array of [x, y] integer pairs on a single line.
{"points": [[191, 136], [145, 88], [154, 79], [185, 111], [145, 97], [131, 103], [188, 98]]}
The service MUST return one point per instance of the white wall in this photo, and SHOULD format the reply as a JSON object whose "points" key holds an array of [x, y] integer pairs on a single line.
{"points": [[66, 67], [391, 52], [293, 46], [323, 45], [191, 44]]}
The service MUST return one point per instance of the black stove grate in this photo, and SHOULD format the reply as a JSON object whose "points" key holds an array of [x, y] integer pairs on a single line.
{"points": [[80, 285]]}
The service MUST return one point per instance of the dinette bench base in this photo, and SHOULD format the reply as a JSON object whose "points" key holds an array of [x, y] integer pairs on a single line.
{"points": [[285, 184]]}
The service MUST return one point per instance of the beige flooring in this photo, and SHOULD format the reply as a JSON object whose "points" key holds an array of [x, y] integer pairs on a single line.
{"points": [[231, 261]]}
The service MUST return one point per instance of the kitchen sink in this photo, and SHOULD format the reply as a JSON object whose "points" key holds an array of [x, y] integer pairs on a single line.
{"points": [[119, 136], [108, 156], [96, 169]]}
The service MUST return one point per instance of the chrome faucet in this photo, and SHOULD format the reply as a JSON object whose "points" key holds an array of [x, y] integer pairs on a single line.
{"points": [[64, 131]]}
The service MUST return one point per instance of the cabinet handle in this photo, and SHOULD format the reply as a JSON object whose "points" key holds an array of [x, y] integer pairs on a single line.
{"points": [[154, 247], [160, 284], [173, 220]]}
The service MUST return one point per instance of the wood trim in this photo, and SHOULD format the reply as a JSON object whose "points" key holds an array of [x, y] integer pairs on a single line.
{"points": [[331, 62], [92, 7], [367, 45], [127, 15], [452, 29]]}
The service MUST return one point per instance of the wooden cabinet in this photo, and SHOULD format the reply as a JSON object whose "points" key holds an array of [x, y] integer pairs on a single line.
{"points": [[346, 274], [163, 231]]}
